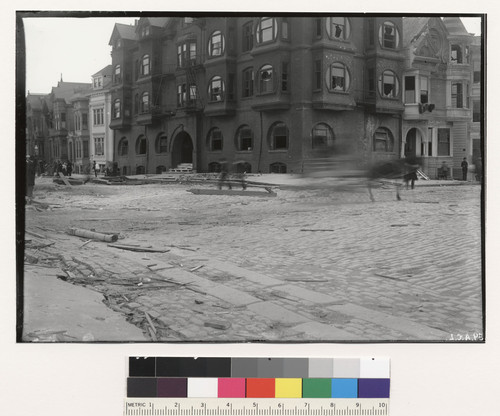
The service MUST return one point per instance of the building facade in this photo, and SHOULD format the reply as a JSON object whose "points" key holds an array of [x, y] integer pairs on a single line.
{"points": [[101, 136], [437, 93], [275, 94]]}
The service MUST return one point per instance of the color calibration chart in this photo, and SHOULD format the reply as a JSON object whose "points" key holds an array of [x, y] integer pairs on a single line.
{"points": [[175, 386]]}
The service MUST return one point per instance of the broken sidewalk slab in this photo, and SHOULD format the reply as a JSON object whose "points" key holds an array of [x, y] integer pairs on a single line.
{"points": [[54, 305], [230, 192], [92, 235]]}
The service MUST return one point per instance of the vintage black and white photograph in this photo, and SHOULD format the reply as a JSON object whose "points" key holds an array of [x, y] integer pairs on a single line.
{"points": [[199, 177]]}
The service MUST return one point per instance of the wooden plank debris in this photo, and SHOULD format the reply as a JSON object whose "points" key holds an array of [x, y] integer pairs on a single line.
{"points": [[138, 248], [63, 178], [231, 192], [315, 229], [196, 268], [92, 234]]}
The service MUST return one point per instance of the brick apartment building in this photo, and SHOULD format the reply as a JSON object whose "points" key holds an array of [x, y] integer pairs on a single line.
{"points": [[273, 93]]}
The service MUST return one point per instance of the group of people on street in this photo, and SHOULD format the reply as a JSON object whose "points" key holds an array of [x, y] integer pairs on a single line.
{"points": [[66, 168]]}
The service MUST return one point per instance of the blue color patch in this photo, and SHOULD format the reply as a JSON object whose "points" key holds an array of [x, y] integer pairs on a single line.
{"points": [[345, 388]]}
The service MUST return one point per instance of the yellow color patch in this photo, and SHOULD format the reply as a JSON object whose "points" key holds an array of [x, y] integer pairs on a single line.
{"points": [[289, 387]]}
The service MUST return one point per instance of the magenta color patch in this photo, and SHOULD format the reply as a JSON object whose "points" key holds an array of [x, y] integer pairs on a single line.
{"points": [[231, 387]]}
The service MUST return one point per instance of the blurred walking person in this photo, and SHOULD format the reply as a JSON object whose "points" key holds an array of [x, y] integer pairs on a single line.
{"points": [[224, 174], [465, 168]]}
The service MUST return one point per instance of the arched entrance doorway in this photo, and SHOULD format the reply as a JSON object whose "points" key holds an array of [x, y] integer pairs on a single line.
{"points": [[411, 143], [182, 149]]}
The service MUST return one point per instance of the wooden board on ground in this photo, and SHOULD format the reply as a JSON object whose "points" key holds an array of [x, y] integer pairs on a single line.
{"points": [[234, 192]]}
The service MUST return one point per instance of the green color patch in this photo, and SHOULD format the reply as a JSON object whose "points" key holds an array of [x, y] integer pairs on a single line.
{"points": [[317, 387]]}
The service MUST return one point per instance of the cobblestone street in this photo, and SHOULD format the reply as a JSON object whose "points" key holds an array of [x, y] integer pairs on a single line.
{"points": [[311, 264]]}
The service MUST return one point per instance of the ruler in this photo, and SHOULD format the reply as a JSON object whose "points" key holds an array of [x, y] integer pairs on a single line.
{"points": [[254, 407]]}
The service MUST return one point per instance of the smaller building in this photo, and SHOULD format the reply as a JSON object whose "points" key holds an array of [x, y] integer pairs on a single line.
{"points": [[100, 135]]}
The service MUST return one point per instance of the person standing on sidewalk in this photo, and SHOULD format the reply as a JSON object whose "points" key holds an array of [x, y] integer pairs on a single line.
{"points": [[30, 178], [465, 168]]}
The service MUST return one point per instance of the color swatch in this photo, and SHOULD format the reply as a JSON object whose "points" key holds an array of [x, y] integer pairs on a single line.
{"points": [[258, 377]]}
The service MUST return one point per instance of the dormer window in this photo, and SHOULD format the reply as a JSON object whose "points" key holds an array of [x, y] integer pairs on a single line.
{"points": [[145, 31], [97, 82], [456, 56]]}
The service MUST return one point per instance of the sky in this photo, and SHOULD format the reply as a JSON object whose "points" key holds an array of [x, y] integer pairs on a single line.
{"points": [[77, 48]]}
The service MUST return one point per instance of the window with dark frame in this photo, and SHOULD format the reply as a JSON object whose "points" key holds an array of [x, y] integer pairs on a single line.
{"points": [[476, 111], [186, 54], [244, 138], [266, 79], [339, 28], [424, 90], [477, 72], [429, 141], [410, 93], [181, 95], [216, 44], [118, 74], [99, 146], [123, 147], [339, 80], [117, 108], [84, 121], [162, 146], [279, 137], [284, 76], [141, 145], [230, 86], [145, 102], [266, 30], [247, 37], [145, 65], [388, 84], [85, 145], [216, 89], [317, 74], [277, 167], [443, 142], [215, 139], [389, 36], [247, 80], [457, 100], [456, 54]]}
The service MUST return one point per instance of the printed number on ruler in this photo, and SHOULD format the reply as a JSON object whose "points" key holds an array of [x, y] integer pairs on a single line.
{"points": [[255, 407]]}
